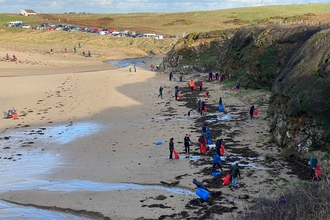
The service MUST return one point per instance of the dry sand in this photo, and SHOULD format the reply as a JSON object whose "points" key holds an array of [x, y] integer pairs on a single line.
{"points": [[125, 119]]}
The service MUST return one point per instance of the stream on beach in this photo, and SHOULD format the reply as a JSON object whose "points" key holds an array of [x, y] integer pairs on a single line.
{"points": [[126, 62]]}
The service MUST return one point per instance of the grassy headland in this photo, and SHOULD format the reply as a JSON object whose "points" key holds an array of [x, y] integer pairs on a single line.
{"points": [[159, 23]]}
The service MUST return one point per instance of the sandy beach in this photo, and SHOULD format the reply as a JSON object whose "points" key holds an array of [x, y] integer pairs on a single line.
{"points": [[85, 140]]}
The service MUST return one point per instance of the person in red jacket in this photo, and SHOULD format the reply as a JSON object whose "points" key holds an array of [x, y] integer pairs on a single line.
{"points": [[200, 84]]}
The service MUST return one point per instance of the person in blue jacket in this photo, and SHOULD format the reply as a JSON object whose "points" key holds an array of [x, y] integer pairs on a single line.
{"points": [[313, 162], [208, 133], [216, 162]]}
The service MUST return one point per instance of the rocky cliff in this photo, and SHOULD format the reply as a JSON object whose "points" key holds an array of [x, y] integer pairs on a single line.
{"points": [[290, 60], [300, 102]]}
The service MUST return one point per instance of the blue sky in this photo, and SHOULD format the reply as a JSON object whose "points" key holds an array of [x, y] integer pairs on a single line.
{"points": [[131, 6]]}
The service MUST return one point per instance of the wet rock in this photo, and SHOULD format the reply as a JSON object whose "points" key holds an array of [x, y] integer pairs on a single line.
{"points": [[170, 182], [160, 197], [159, 206], [244, 196]]}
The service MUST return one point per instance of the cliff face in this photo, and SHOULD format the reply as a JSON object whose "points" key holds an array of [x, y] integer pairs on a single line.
{"points": [[291, 61], [300, 102]]}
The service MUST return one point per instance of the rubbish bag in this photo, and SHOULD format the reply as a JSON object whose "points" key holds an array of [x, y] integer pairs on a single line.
{"points": [[176, 155], [226, 179], [202, 148], [221, 107], [255, 112]]}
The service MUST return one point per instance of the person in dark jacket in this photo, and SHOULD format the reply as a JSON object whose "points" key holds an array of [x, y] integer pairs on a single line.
{"points": [[187, 142], [217, 146], [171, 147], [204, 128], [216, 162], [217, 76], [199, 184], [220, 101], [199, 105], [176, 92], [160, 92], [170, 76], [251, 111], [210, 76], [234, 172]]}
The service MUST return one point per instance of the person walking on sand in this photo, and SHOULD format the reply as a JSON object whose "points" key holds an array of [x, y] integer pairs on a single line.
{"points": [[134, 68], [234, 172], [216, 162], [200, 84], [251, 111], [191, 84], [218, 146], [170, 76], [160, 92], [129, 68], [176, 92], [210, 76], [171, 147], [187, 142]]}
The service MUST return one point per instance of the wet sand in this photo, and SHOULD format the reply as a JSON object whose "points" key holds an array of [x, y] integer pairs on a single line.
{"points": [[82, 129]]}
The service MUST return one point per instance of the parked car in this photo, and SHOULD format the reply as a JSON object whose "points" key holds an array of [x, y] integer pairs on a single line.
{"points": [[25, 26]]}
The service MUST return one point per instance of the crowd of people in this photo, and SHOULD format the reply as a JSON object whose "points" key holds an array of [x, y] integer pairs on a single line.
{"points": [[205, 138]]}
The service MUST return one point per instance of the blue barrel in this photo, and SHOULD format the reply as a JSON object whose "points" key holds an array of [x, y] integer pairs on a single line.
{"points": [[159, 143], [202, 193], [221, 107]]}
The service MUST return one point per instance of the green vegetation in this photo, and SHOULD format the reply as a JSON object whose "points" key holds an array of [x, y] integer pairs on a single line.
{"points": [[287, 150], [302, 200], [269, 67], [315, 72], [178, 22]]}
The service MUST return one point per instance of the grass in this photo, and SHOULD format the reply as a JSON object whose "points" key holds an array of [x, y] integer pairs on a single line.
{"points": [[159, 22]]}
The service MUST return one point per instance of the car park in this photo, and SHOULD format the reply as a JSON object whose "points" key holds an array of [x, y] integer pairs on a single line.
{"points": [[99, 31]]}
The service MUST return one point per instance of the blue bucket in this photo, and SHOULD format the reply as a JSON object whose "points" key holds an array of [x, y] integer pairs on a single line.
{"points": [[202, 193], [221, 107], [209, 141], [159, 143]]}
